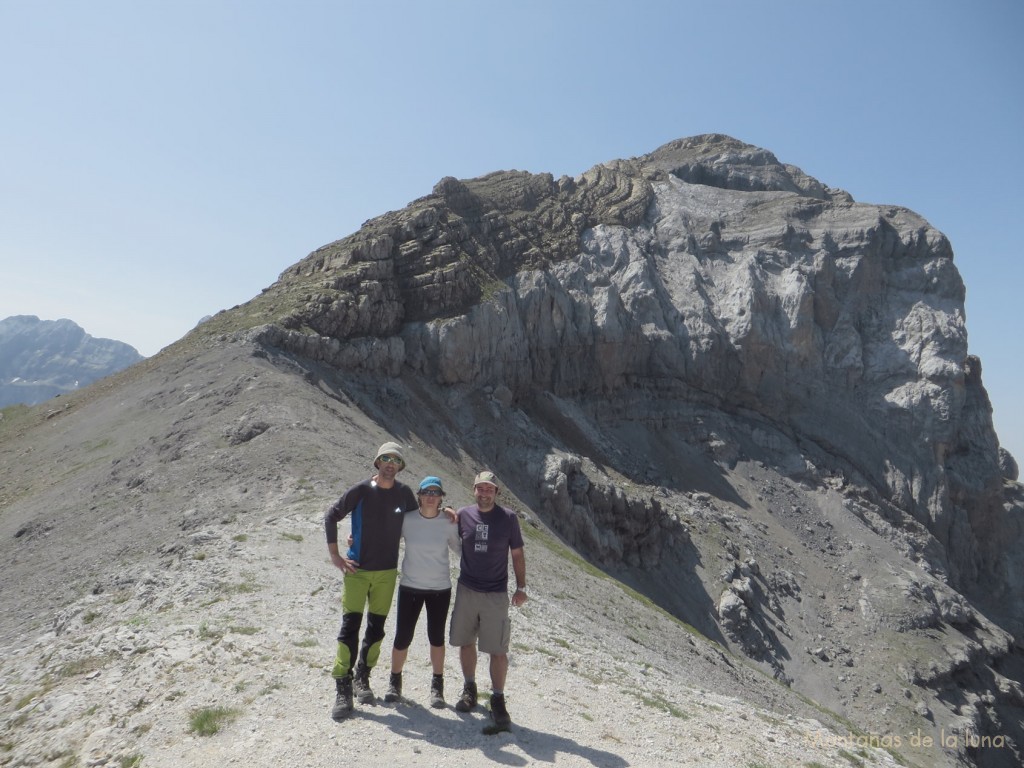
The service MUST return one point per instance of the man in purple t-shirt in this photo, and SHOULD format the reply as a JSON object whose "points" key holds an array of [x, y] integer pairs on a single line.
{"points": [[489, 534]]}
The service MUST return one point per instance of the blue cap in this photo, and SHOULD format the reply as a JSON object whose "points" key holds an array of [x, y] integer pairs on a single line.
{"points": [[431, 482]]}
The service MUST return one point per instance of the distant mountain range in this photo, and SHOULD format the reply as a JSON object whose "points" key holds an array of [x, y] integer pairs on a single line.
{"points": [[40, 359]]}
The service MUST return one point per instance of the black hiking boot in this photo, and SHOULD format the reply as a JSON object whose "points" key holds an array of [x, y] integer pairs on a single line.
{"points": [[499, 714], [467, 700], [361, 685], [343, 701], [394, 691], [437, 692]]}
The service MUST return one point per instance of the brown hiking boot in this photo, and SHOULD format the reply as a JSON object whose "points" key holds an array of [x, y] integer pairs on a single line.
{"points": [[499, 714], [343, 700], [467, 700], [437, 692], [394, 691], [361, 685]]}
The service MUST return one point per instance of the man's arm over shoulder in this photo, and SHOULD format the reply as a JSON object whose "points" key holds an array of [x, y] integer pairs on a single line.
{"points": [[410, 503]]}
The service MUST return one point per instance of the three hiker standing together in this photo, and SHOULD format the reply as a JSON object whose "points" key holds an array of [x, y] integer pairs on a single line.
{"points": [[384, 510]]}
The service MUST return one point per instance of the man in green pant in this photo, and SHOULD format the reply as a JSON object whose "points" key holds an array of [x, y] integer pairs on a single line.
{"points": [[377, 506]]}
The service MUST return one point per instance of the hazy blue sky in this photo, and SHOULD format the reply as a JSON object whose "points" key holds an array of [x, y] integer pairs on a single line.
{"points": [[165, 160]]}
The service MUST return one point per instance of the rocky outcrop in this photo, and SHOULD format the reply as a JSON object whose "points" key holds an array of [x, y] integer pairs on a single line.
{"points": [[612, 525], [40, 359]]}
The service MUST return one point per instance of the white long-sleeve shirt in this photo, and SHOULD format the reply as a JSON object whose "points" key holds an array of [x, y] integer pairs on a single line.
{"points": [[427, 542]]}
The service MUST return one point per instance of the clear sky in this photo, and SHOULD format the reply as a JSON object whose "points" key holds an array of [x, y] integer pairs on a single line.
{"points": [[162, 161]]}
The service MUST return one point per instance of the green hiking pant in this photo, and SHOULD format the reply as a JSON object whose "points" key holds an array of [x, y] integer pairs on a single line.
{"points": [[373, 591]]}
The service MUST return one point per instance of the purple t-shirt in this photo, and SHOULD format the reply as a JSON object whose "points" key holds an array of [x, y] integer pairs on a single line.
{"points": [[487, 538]]}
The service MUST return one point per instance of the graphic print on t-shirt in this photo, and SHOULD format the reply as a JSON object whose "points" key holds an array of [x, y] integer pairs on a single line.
{"points": [[480, 544]]}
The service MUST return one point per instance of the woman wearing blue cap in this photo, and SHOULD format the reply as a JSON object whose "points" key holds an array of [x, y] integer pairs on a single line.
{"points": [[425, 582]]}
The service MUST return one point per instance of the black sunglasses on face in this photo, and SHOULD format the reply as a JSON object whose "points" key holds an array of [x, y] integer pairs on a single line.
{"points": [[431, 492]]}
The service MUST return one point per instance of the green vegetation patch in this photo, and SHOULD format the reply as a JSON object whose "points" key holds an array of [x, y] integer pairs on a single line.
{"points": [[209, 720], [25, 700], [83, 666], [657, 702], [207, 632]]}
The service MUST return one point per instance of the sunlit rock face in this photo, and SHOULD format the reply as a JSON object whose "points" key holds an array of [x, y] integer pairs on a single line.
{"points": [[705, 272]]}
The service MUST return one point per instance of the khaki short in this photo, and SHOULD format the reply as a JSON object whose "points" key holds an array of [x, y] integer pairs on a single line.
{"points": [[482, 618]]}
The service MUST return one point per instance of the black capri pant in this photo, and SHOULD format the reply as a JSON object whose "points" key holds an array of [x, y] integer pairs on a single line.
{"points": [[410, 602]]}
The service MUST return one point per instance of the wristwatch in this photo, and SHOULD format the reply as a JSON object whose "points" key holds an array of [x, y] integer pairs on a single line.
{"points": [[522, 589]]}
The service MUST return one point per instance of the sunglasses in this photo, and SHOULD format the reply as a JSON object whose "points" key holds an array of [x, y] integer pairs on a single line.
{"points": [[390, 460], [432, 492]]}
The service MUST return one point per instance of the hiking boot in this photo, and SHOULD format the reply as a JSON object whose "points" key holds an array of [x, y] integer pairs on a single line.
{"points": [[361, 685], [343, 701], [394, 692], [467, 700], [437, 692], [498, 712]]}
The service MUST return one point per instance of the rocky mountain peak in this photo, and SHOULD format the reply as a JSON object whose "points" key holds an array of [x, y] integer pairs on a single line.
{"points": [[721, 161], [707, 266], [725, 384]]}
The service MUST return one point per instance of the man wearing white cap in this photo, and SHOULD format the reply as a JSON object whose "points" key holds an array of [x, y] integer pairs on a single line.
{"points": [[489, 535], [378, 506]]}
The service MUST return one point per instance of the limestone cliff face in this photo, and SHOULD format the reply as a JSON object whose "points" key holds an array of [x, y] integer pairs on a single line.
{"points": [[705, 272]]}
